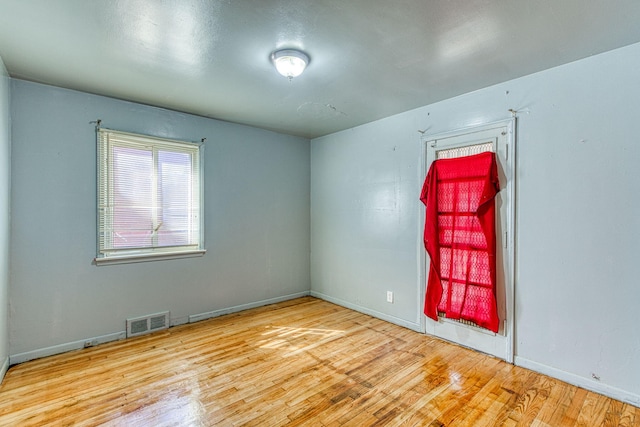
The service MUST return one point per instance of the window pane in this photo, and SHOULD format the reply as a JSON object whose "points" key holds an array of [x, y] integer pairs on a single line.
{"points": [[132, 197], [175, 195]]}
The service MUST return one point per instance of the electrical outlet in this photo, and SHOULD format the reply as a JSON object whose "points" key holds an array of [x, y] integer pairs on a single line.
{"points": [[390, 296]]}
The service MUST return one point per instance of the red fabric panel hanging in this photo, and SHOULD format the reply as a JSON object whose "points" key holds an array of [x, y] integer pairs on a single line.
{"points": [[459, 236]]}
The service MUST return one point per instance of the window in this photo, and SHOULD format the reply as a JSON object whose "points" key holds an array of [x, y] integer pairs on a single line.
{"points": [[149, 198]]}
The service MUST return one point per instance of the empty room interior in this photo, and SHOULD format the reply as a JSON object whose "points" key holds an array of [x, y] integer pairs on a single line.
{"points": [[242, 200]]}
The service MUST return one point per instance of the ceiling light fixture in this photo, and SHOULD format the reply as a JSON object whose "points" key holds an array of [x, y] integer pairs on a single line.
{"points": [[290, 62]]}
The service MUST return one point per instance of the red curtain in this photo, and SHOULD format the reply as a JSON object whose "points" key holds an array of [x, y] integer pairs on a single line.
{"points": [[459, 236]]}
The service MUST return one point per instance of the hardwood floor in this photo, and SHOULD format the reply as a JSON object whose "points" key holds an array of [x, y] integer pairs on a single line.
{"points": [[301, 362]]}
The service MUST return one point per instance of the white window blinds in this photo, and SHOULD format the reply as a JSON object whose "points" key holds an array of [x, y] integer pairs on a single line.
{"points": [[149, 198]]}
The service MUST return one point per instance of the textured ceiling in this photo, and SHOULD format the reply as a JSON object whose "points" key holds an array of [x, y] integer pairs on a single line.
{"points": [[369, 58]]}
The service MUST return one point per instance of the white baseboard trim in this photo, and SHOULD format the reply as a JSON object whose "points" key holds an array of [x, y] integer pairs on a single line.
{"points": [[577, 380], [388, 318], [76, 345], [242, 307], [177, 321], [63, 348], [4, 368]]}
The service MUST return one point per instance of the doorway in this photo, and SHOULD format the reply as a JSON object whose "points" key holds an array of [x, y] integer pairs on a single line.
{"points": [[499, 138]]}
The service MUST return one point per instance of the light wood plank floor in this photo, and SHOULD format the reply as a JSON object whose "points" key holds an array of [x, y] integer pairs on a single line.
{"points": [[301, 362]]}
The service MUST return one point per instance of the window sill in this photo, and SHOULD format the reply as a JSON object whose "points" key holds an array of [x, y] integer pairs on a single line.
{"points": [[129, 259]]}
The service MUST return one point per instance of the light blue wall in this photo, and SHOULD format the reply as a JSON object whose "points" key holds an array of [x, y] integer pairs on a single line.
{"points": [[5, 190], [363, 209], [256, 222], [578, 215]]}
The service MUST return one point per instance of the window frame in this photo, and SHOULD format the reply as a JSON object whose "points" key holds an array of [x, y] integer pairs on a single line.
{"points": [[106, 253]]}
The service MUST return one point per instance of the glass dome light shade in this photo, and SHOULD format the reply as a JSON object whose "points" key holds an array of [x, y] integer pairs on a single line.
{"points": [[290, 63]]}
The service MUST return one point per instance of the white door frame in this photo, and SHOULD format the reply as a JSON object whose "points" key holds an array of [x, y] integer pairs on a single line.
{"points": [[506, 168]]}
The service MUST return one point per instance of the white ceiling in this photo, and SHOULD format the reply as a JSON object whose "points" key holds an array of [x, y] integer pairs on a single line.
{"points": [[369, 58]]}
